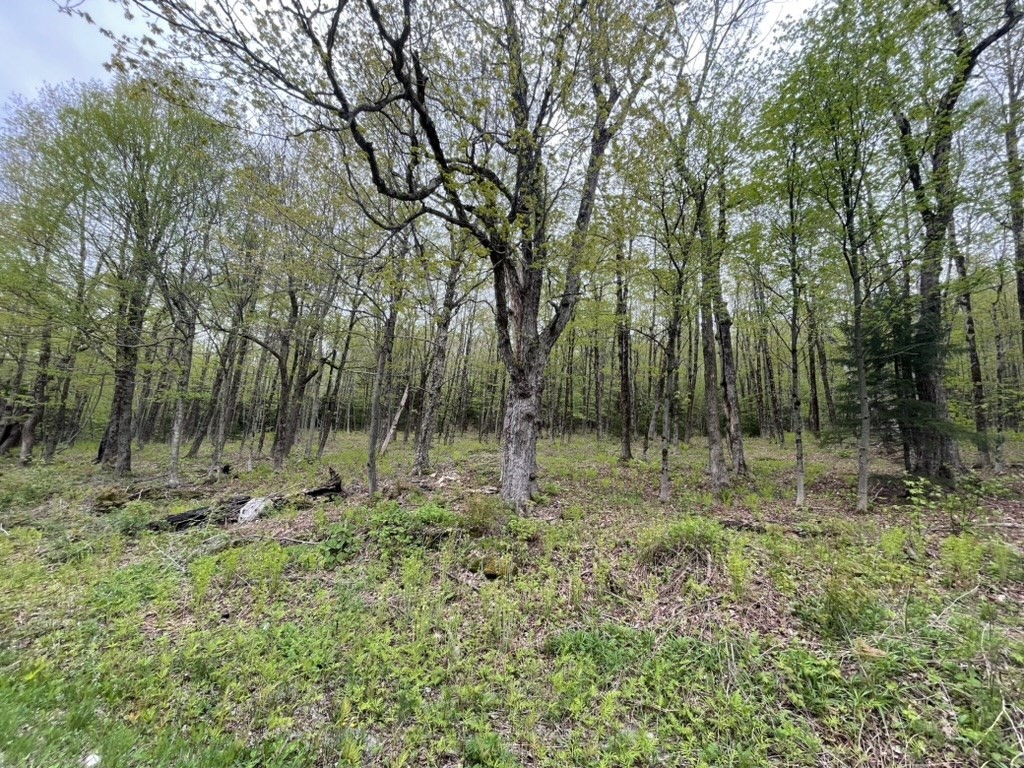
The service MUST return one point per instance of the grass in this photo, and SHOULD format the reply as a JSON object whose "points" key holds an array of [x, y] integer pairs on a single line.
{"points": [[431, 627]]}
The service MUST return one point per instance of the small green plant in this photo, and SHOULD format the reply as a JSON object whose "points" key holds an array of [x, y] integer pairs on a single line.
{"points": [[263, 565], [201, 571], [844, 609], [484, 515], [393, 527], [524, 529], [485, 750], [1005, 562], [134, 517], [320, 523], [339, 545], [737, 565], [893, 542], [923, 494], [696, 541], [572, 513], [961, 557]]}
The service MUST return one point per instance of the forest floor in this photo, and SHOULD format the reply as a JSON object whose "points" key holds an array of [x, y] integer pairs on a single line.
{"points": [[430, 628]]}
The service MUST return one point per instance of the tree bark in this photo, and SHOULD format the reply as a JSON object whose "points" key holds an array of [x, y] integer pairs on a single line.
{"points": [[723, 319], [28, 429], [718, 473]]}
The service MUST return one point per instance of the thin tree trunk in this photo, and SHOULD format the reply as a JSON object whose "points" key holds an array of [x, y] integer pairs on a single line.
{"points": [[622, 335], [184, 378], [384, 354], [435, 371], [977, 384]]}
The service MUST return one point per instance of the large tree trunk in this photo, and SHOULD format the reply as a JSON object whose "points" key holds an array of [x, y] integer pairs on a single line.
{"points": [[934, 450], [793, 211], [519, 435], [28, 429], [813, 407], [116, 449], [1002, 376], [826, 382], [1015, 170], [864, 443], [231, 392]]}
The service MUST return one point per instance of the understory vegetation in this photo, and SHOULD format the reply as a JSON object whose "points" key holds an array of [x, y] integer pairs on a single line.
{"points": [[431, 626]]}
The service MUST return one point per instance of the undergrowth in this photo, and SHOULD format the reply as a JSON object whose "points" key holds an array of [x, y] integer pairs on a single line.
{"points": [[438, 628]]}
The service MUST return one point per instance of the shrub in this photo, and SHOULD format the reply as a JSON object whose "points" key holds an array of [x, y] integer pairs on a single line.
{"points": [[484, 515], [524, 529], [893, 542], [134, 517], [393, 527], [961, 558], [339, 544], [693, 541]]}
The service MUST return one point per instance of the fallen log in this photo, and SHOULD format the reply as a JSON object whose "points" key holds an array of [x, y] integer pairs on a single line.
{"points": [[222, 513], [229, 510], [333, 487]]}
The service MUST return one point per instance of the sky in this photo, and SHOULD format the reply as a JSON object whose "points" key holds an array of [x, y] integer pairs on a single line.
{"points": [[38, 44]]}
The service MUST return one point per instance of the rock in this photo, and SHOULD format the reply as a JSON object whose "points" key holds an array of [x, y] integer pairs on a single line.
{"points": [[253, 509]]}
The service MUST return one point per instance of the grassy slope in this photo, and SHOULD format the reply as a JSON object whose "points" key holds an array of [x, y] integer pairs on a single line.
{"points": [[601, 630]]}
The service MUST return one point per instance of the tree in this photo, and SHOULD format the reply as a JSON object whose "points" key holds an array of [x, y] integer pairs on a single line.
{"points": [[928, 119], [504, 159]]}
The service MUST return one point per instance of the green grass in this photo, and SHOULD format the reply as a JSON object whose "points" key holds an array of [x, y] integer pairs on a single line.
{"points": [[435, 628]]}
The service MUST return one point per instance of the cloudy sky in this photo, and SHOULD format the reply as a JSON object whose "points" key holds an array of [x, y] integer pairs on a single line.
{"points": [[41, 45]]}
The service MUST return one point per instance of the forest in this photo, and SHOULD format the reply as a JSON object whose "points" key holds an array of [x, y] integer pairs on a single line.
{"points": [[517, 382]]}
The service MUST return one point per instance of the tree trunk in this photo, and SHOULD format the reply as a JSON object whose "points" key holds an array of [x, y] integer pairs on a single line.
{"points": [[394, 422], [977, 383], [1015, 173], [519, 435], [718, 473], [734, 428], [622, 336], [384, 353], [184, 379], [28, 429], [116, 449], [435, 373], [864, 443], [998, 463], [813, 408], [794, 363]]}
